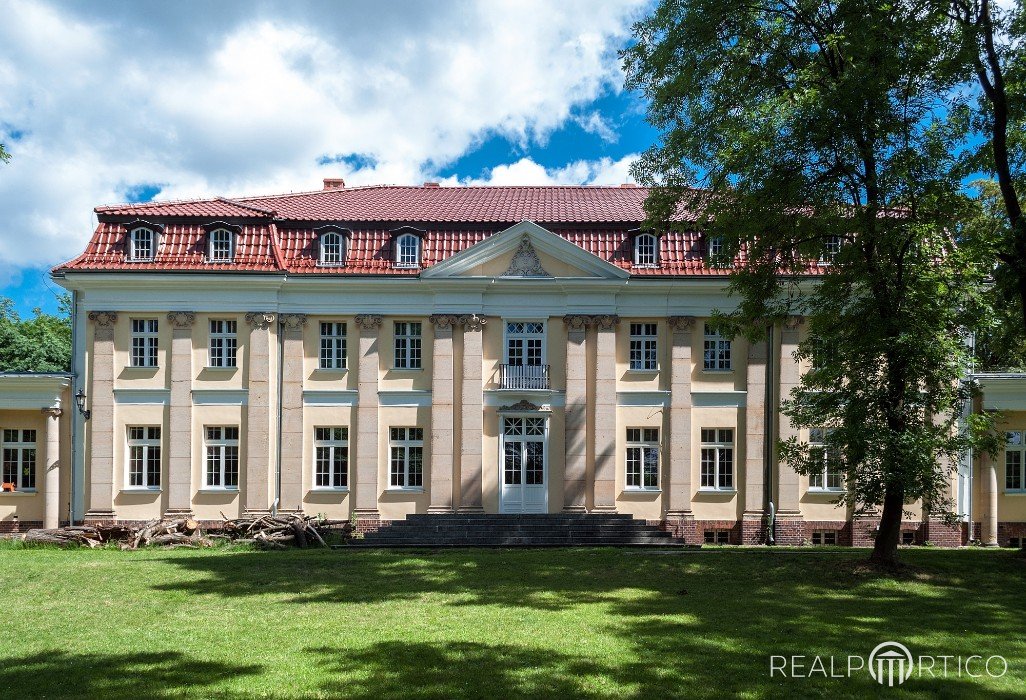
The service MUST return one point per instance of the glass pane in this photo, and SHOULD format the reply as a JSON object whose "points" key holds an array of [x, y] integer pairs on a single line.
{"points": [[512, 464], [535, 463]]}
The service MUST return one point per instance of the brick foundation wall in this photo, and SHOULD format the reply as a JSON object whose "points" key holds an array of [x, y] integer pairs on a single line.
{"points": [[843, 528], [364, 525], [682, 528], [789, 531], [940, 535], [9, 526], [1009, 530], [733, 526]]}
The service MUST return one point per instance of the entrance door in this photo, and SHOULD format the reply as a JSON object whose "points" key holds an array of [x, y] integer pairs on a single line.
{"points": [[524, 465]]}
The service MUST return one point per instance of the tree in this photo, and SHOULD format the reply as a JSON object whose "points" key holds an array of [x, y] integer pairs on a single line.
{"points": [[789, 129], [39, 344]]}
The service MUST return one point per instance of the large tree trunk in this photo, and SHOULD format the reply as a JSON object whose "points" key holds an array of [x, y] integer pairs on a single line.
{"points": [[885, 549]]}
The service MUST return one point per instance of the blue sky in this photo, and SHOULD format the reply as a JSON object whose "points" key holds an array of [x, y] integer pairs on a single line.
{"points": [[258, 97]]}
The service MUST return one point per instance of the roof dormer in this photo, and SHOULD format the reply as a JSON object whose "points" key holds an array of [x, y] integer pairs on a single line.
{"points": [[222, 241], [142, 241], [332, 245]]}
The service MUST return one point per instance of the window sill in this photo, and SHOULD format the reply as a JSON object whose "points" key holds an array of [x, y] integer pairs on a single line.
{"points": [[331, 370], [407, 369], [331, 264], [717, 371], [706, 489], [1015, 492], [142, 489], [643, 372], [214, 489], [642, 489], [405, 489], [140, 368], [406, 267], [645, 266], [814, 490], [221, 369], [20, 492], [330, 489], [211, 261]]}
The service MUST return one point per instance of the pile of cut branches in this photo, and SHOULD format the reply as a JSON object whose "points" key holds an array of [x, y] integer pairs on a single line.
{"points": [[280, 531], [185, 532], [88, 535]]}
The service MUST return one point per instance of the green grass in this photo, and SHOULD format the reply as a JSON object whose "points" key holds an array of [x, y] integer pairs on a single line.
{"points": [[492, 623]]}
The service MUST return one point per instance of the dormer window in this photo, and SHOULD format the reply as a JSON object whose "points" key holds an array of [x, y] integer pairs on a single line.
{"points": [[831, 247], [142, 244], [646, 250], [407, 250], [332, 249], [222, 245], [716, 252]]}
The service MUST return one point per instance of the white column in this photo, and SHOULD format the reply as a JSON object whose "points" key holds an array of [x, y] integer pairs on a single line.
{"points": [[442, 418], [989, 516], [101, 422], [367, 418], [51, 467], [680, 416], [576, 414], [472, 416], [179, 443], [605, 413]]}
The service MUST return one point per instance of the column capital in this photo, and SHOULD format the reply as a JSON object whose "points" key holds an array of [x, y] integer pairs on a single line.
{"points": [[259, 319], [181, 319], [791, 323], [606, 322], [444, 320], [578, 322], [369, 322], [292, 322], [472, 322], [52, 411], [104, 319], [679, 324]]}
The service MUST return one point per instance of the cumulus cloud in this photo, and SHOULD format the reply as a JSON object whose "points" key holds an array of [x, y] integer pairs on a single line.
{"points": [[98, 102], [603, 171]]}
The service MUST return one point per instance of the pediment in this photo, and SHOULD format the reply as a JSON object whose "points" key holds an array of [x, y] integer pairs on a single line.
{"points": [[525, 251]]}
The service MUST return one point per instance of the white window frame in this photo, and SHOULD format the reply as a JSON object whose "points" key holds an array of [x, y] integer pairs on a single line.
{"points": [[714, 252], [826, 480], [333, 346], [327, 241], [714, 449], [721, 347], [646, 250], [831, 248], [227, 342], [328, 448], [24, 450], [638, 449], [145, 342], [213, 245], [507, 335], [402, 258], [407, 346], [146, 445], [215, 454], [1015, 447], [135, 237], [643, 346], [403, 445]]}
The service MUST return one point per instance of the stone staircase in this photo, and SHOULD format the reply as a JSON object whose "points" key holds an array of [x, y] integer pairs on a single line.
{"points": [[488, 530]]}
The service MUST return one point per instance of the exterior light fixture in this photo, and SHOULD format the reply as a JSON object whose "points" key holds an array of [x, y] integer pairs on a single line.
{"points": [[80, 401]]}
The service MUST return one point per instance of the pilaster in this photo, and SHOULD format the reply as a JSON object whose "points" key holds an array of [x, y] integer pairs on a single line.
{"points": [[51, 468], [789, 482], [472, 417], [605, 413], [576, 414], [755, 442], [679, 438], [179, 443], [258, 414], [101, 422], [366, 508], [442, 418]]}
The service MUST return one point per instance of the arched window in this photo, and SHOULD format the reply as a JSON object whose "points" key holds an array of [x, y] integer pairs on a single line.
{"points": [[222, 245], [332, 248], [646, 250], [407, 251], [142, 244]]}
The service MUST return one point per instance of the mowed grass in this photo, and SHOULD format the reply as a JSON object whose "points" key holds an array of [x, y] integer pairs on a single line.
{"points": [[493, 623]]}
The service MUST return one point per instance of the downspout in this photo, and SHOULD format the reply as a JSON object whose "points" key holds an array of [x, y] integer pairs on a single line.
{"points": [[73, 408], [769, 416], [277, 460], [971, 466]]}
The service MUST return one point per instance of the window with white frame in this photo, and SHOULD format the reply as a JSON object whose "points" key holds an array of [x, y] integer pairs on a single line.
{"points": [[828, 476], [332, 248], [831, 247], [333, 345], [642, 458], [144, 457], [407, 250], [144, 342], [224, 342], [222, 466], [406, 458], [716, 252], [717, 350], [646, 250], [142, 244], [331, 457], [643, 347], [407, 345], [222, 245], [19, 463], [1015, 461], [718, 459]]}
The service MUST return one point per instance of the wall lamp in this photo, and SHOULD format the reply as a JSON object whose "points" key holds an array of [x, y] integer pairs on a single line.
{"points": [[80, 401]]}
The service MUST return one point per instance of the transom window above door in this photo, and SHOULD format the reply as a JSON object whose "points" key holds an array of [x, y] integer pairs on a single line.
{"points": [[517, 427]]}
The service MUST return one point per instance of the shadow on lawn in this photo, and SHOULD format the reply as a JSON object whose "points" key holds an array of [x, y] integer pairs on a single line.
{"points": [[703, 624], [62, 674]]}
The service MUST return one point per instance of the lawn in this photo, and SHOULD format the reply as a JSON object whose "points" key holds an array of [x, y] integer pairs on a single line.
{"points": [[492, 623]]}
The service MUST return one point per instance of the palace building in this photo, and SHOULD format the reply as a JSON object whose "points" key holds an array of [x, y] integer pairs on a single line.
{"points": [[378, 352]]}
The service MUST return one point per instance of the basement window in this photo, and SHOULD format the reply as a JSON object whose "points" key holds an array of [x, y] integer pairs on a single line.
{"points": [[824, 537], [717, 536], [1015, 542], [908, 537]]}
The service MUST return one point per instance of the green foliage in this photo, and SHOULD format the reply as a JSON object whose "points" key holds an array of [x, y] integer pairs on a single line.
{"points": [[787, 126], [39, 344], [5, 157]]}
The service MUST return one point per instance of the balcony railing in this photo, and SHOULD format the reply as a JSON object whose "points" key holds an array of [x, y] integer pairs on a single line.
{"points": [[524, 376]]}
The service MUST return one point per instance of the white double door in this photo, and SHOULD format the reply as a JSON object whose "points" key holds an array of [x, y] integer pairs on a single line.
{"points": [[524, 464]]}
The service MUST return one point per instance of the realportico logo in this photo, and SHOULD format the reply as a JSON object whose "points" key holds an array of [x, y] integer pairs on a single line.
{"points": [[889, 664]]}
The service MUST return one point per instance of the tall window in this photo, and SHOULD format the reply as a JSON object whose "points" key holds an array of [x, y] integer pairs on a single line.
{"points": [[331, 457], [831, 247], [142, 244], [406, 463], [222, 245], [642, 458], [822, 353], [332, 248], [828, 477], [407, 345], [223, 342], [144, 342], [716, 252], [222, 457], [643, 347], [646, 250], [407, 250], [717, 350], [718, 458], [19, 464], [1015, 461], [144, 457], [333, 345]]}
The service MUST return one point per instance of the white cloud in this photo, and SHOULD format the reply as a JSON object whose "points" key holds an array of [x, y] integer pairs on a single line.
{"points": [[603, 171], [242, 98]]}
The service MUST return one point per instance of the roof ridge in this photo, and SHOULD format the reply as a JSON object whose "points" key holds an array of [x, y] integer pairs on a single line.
{"points": [[272, 212]]}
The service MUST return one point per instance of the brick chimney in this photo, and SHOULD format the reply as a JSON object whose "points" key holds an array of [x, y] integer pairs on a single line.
{"points": [[431, 184], [334, 183]]}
